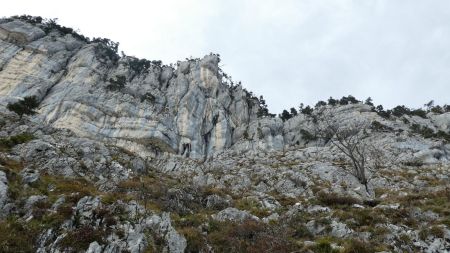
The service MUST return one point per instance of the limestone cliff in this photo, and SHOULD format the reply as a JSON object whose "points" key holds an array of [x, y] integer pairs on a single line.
{"points": [[139, 105]]}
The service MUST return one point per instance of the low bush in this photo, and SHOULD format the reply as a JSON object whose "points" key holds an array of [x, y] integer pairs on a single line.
{"points": [[324, 246], [16, 236], [8, 143], [334, 199], [80, 238], [24, 106], [117, 83], [307, 136], [248, 236], [357, 246], [195, 240]]}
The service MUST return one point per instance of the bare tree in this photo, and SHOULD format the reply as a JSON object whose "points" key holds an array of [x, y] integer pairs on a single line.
{"points": [[350, 137]]}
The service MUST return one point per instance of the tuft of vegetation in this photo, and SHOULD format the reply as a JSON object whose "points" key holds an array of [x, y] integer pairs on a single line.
{"points": [[357, 246], [139, 65], [249, 236], [334, 199], [377, 126], [25, 106], [117, 83], [106, 50], [148, 97], [427, 132], [8, 143], [324, 246], [17, 236], [49, 25], [348, 100], [285, 115], [307, 136], [80, 238]]}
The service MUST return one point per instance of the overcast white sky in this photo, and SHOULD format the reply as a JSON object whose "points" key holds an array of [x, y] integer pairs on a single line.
{"points": [[289, 51]]}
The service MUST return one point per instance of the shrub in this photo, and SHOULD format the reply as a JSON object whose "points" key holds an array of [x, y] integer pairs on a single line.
{"points": [[25, 106], [106, 50], [16, 236], [377, 126], [348, 100], [117, 83], [251, 206], [333, 199], [320, 104], [434, 231], [357, 246], [307, 136], [50, 25], [248, 236], [148, 97], [324, 246], [369, 101], [308, 110], [382, 113], [293, 111], [427, 132], [400, 110], [195, 240], [285, 115], [419, 112], [34, 20], [80, 238], [437, 109], [332, 101], [8, 143], [139, 65]]}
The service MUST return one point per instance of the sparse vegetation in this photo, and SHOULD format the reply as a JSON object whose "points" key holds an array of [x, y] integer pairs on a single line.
{"points": [[24, 106], [8, 143], [332, 199], [117, 83]]}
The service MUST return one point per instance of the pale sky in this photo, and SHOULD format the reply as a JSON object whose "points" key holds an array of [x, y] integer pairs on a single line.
{"points": [[289, 51]]}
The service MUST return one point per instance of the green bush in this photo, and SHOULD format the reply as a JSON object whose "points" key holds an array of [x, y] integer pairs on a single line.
{"points": [[8, 143], [117, 83], [427, 132], [333, 199], [106, 49], [16, 236], [248, 236], [80, 238], [195, 240], [357, 246], [139, 65], [148, 97], [307, 136], [25, 106], [324, 246]]}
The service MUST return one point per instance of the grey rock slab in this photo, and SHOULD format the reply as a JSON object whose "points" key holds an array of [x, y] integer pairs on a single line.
{"points": [[233, 214], [3, 192]]}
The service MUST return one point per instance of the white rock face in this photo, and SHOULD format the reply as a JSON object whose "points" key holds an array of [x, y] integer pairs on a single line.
{"points": [[3, 191], [188, 110]]}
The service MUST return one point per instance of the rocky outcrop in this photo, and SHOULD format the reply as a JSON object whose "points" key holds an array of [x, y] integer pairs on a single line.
{"points": [[3, 192], [137, 156], [188, 109]]}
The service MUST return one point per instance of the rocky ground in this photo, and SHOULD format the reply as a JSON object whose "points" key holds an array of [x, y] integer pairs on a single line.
{"points": [[65, 193], [195, 167]]}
